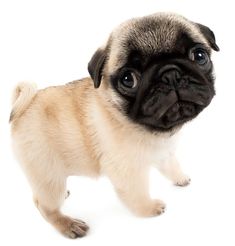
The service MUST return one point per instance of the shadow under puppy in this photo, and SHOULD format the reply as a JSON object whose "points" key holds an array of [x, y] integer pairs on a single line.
{"points": [[153, 75]]}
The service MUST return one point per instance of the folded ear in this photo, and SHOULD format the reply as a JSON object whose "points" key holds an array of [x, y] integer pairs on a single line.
{"points": [[95, 66], [209, 35]]}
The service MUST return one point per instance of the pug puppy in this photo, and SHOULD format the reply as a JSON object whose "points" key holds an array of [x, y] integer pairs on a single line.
{"points": [[152, 76]]}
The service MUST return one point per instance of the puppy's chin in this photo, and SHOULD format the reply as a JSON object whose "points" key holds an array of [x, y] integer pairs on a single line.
{"points": [[174, 117]]}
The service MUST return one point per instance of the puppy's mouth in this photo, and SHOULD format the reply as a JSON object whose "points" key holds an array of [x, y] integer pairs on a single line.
{"points": [[171, 111], [177, 114]]}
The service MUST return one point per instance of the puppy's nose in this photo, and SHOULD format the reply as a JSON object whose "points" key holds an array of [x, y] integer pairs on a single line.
{"points": [[170, 74]]}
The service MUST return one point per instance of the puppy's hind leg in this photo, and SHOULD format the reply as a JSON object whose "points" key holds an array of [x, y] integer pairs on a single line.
{"points": [[48, 199]]}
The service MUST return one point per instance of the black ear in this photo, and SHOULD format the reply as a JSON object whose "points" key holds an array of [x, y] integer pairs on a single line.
{"points": [[95, 66], [209, 35]]}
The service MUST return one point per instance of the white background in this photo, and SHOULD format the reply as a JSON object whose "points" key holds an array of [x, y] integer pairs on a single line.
{"points": [[51, 42]]}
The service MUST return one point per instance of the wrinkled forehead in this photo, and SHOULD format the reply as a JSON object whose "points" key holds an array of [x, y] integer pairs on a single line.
{"points": [[150, 35]]}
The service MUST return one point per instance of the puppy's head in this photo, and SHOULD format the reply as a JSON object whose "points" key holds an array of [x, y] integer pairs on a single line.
{"points": [[159, 68]]}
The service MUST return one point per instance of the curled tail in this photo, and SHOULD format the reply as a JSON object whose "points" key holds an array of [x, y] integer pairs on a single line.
{"points": [[22, 96]]}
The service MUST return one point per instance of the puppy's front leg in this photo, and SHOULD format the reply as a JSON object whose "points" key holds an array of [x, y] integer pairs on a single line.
{"points": [[171, 169], [131, 184]]}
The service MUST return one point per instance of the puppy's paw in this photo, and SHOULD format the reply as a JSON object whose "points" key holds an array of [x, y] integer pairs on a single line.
{"points": [[153, 208], [182, 180], [158, 207], [71, 228]]}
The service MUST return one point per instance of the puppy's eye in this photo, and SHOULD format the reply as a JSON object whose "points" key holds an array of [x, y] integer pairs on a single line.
{"points": [[129, 80], [199, 56]]}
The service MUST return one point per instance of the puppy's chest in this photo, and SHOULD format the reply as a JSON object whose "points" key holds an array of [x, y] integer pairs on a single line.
{"points": [[142, 150], [129, 144], [152, 151]]}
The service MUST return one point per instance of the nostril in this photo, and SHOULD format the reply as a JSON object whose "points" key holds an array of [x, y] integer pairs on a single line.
{"points": [[167, 78], [176, 74]]}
